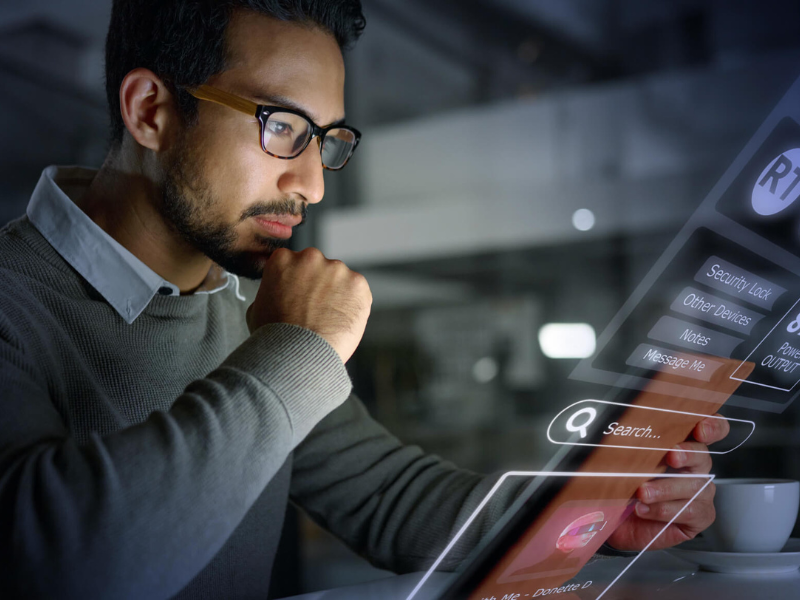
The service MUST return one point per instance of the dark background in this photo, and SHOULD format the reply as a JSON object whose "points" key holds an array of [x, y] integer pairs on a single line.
{"points": [[486, 125]]}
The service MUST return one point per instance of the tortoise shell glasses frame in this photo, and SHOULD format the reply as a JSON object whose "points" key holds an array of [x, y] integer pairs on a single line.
{"points": [[286, 133]]}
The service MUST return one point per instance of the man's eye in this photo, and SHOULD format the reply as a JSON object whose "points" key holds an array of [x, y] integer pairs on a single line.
{"points": [[279, 128]]}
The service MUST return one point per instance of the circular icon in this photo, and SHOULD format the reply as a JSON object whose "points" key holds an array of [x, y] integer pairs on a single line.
{"points": [[581, 531], [574, 428], [778, 186]]}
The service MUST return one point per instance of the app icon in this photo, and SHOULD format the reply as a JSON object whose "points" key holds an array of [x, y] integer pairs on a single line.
{"points": [[777, 186]]}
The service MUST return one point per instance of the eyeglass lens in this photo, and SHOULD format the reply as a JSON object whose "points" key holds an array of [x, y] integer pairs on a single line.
{"points": [[337, 147], [286, 134]]}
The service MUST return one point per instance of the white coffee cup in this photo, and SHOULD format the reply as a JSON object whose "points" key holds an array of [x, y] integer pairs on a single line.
{"points": [[753, 515]]}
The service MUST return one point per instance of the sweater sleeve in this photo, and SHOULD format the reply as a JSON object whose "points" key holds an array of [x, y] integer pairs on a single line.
{"points": [[393, 504], [138, 513]]}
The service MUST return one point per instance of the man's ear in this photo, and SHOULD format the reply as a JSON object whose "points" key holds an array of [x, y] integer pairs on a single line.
{"points": [[148, 109]]}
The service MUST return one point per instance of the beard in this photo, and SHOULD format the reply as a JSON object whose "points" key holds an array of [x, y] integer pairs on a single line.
{"points": [[191, 217]]}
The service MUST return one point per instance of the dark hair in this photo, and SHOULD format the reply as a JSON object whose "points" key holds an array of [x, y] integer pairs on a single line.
{"points": [[183, 41]]}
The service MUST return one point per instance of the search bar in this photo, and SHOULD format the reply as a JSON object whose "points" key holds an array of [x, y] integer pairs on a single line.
{"points": [[638, 428]]}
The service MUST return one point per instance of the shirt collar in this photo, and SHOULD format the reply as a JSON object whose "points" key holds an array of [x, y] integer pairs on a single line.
{"points": [[126, 283]]}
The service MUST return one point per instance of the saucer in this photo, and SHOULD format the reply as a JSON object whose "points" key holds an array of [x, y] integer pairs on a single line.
{"points": [[698, 551]]}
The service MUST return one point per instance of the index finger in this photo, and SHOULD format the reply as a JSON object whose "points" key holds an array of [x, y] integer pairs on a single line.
{"points": [[711, 430]]}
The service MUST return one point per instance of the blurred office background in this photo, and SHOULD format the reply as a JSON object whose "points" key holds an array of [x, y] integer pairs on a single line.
{"points": [[524, 163]]}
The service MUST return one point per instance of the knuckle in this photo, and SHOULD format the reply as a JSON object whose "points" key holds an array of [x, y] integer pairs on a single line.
{"points": [[281, 254], [339, 269], [689, 533], [311, 253], [683, 446], [690, 512], [714, 428]]}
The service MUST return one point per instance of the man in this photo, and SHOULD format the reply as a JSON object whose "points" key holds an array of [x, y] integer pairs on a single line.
{"points": [[155, 419]]}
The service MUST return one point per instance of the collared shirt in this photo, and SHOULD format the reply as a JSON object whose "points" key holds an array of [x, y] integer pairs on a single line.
{"points": [[126, 283]]}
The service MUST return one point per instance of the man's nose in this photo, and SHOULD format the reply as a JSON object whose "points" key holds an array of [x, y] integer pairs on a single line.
{"points": [[303, 175]]}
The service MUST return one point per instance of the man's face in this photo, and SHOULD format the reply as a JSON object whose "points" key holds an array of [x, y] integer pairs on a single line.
{"points": [[222, 193]]}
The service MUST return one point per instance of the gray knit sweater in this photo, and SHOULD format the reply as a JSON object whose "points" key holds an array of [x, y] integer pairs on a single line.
{"points": [[156, 459]]}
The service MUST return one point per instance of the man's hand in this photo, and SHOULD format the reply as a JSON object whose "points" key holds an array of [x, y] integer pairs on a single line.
{"points": [[660, 500], [306, 289]]}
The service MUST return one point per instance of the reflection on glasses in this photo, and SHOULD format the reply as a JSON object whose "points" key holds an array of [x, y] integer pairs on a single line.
{"points": [[285, 133]]}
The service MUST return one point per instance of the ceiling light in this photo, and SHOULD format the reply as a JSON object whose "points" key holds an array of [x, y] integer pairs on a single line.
{"points": [[583, 219], [567, 340], [485, 369]]}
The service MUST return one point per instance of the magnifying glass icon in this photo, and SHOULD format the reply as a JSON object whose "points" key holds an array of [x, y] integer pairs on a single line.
{"points": [[572, 427]]}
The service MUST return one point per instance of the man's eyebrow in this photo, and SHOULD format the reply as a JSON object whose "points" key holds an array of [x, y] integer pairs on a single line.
{"points": [[285, 102]]}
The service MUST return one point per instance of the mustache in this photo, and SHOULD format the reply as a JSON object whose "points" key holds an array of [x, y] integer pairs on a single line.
{"points": [[284, 206]]}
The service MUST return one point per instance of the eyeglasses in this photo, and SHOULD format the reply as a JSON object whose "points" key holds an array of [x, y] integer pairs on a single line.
{"points": [[285, 133]]}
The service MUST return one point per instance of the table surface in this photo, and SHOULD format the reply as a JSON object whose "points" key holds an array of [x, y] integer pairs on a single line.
{"points": [[656, 575]]}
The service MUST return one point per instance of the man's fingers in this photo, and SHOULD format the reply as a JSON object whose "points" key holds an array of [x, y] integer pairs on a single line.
{"points": [[659, 501], [694, 518], [674, 488], [692, 456], [711, 430], [689, 457], [307, 289]]}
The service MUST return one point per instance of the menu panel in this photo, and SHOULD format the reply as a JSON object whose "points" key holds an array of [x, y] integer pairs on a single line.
{"points": [[728, 287], [715, 299]]}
